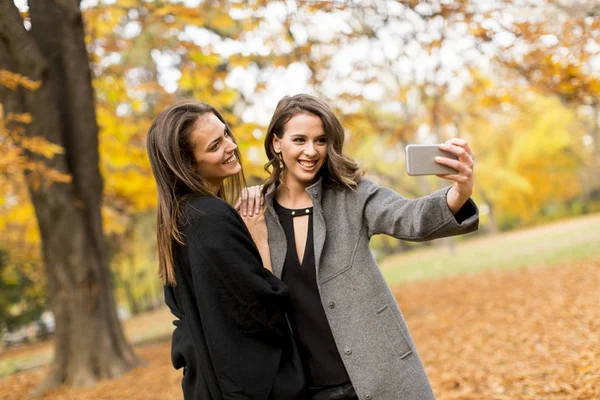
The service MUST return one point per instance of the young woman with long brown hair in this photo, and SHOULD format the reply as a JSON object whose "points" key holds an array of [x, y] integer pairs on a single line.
{"points": [[232, 337], [321, 214]]}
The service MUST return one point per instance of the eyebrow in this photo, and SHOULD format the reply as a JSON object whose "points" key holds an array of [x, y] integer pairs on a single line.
{"points": [[304, 135]]}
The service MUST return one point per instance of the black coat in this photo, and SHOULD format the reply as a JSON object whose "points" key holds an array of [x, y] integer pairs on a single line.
{"points": [[231, 338]]}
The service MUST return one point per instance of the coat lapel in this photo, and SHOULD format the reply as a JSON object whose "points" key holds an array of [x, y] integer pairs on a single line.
{"points": [[277, 239], [319, 229]]}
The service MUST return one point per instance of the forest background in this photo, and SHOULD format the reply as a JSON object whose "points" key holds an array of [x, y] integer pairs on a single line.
{"points": [[520, 80]]}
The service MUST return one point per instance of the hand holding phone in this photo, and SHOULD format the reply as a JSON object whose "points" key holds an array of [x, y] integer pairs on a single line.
{"points": [[420, 160]]}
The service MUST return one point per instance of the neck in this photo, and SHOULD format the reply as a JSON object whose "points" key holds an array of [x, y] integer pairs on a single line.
{"points": [[214, 186], [293, 195]]}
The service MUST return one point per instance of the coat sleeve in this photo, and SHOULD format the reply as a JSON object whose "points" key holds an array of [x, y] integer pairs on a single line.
{"points": [[424, 218], [227, 272]]}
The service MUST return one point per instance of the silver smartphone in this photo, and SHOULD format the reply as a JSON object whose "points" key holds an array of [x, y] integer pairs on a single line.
{"points": [[420, 160]]}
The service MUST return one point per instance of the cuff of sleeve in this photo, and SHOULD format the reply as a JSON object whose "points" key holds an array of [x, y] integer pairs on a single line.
{"points": [[468, 210]]}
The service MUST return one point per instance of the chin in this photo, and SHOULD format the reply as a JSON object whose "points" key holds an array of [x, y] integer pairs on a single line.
{"points": [[308, 179], [234, 169]]}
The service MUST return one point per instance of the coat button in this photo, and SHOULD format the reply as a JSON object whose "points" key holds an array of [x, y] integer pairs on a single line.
{"points": [[348, 351], [368, 397], [331, 305]]}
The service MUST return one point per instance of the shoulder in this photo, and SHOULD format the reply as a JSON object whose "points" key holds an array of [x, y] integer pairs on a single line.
{"points": [[364, 187], [346, 200], [206, 209]]}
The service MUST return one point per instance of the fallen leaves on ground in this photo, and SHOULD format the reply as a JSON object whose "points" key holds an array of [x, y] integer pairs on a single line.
{"points": [[527, 334], [153, 381]]}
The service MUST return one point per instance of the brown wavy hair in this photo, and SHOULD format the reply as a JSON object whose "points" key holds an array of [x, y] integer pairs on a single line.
{"points": [[172, 160], [339, 170]]}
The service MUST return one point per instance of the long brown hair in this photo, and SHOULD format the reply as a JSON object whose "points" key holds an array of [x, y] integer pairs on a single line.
{"points": [[340, 170], [173, 165]]}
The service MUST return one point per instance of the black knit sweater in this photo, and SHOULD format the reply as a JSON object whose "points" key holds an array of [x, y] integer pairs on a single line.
{"points": [[232, 337]]}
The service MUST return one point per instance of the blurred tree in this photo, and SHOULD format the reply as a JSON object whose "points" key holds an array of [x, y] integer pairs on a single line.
{"points": [[557, 53], [551, 47], [89, 340]]}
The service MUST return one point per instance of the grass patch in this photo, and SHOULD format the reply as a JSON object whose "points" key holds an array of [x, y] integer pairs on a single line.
{"points": [[569, 240], [13, 365]]}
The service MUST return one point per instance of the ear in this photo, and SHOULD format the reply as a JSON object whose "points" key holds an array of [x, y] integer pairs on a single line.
{"points": [[276, 144]]}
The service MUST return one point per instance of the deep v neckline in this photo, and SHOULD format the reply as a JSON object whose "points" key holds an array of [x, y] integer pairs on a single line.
{"points": [[292, 213]]}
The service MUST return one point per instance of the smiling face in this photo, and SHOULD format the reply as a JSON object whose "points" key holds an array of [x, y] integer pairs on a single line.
{"points": [[303, 147], [214, 150]]}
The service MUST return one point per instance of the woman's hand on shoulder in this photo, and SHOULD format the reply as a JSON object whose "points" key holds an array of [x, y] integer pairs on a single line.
{"points": [[465, 178], [251, 201]]}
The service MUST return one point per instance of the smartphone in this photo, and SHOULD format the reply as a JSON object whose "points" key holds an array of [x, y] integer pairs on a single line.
{"points": [[420, 160]]}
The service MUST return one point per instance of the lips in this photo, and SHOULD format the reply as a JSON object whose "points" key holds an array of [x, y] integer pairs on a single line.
{"points": [[230, 160]]}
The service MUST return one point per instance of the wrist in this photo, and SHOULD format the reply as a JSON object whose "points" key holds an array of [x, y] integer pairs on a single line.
{"points": [[454, 200]]}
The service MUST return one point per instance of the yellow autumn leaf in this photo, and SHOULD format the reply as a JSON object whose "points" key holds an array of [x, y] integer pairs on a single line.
{"points": [[41, 146], [24, 118]]}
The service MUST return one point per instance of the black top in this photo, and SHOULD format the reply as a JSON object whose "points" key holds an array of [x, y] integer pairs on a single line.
{"points": [[321, 359], [232, 337]]}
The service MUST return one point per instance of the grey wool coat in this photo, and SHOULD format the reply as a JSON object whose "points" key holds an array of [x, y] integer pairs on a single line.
{"points": [[367, 325]]}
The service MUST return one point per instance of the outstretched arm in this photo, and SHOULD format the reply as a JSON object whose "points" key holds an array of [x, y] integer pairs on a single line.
{"points": [[446, 212]]}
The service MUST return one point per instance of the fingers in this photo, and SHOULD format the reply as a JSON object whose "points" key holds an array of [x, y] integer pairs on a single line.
{"points": [[463, 168], [244, 205], [257, 199], [461, 148], [251, 201], [464, 164]]}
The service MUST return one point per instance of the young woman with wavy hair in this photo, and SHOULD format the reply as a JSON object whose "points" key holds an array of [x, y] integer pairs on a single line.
{"points": [[321, 214], [232, 338]]}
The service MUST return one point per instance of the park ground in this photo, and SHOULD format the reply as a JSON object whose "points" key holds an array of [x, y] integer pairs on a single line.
{"points": [[516, 316]]}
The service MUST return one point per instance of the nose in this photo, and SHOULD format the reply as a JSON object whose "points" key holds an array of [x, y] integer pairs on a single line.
{"points": [[310, 150], [231, 146]]}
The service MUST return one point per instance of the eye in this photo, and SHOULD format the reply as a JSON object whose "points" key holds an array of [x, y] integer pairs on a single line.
{"points": [[298, 140], [215, 146], [322, 140]]}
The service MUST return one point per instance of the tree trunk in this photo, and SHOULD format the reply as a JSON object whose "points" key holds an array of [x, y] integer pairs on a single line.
{"points": [[89, 342]]}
